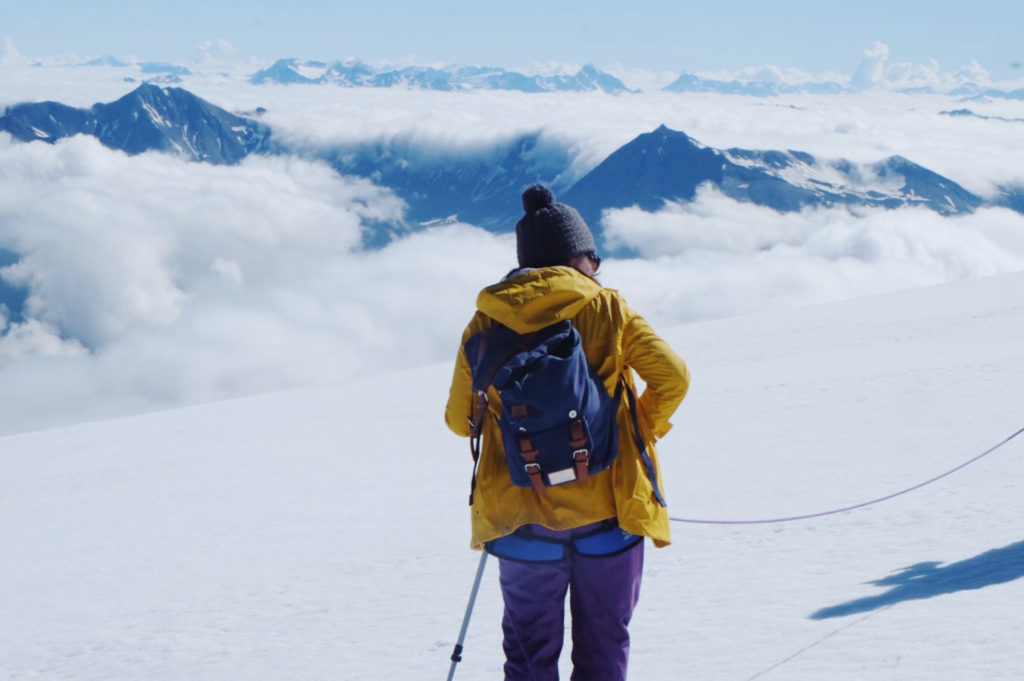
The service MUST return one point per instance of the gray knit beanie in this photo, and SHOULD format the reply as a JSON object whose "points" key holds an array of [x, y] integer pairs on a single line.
{"points": [[550, 233]]}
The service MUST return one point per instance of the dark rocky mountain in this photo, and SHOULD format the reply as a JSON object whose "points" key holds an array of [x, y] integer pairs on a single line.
{"points": [[479, 185], [283, 71], [12, 298], [668, 165], [46, 121], [1011, 196], [967, 113], [148, 118]]}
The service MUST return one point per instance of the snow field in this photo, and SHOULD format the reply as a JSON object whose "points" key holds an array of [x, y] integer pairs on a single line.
{"points": [[322, 532]]}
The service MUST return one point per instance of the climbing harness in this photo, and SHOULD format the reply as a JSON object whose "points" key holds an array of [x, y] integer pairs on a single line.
{"points": [[865, 504]]}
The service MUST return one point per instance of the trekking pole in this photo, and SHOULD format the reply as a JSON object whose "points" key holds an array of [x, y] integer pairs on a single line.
{"points": [[457, 654]]}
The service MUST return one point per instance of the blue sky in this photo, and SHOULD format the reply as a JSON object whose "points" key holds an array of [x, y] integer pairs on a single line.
{"points": [[679, 36]]}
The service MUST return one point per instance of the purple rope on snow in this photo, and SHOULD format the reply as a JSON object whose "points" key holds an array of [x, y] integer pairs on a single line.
{"points": [[855, 506]]}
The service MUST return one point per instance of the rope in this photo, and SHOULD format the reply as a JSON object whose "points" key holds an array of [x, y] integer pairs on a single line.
{"points": [[855, 506], [818, 642]]}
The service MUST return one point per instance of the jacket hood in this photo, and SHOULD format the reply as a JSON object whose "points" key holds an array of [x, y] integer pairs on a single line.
{"points": [[533, 299]]}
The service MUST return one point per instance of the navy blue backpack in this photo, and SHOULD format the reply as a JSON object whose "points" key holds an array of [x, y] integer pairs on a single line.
{"points": [[557, 421]]}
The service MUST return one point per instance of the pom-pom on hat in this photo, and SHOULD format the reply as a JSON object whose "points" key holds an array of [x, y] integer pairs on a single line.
{"points": [[550, 233]]}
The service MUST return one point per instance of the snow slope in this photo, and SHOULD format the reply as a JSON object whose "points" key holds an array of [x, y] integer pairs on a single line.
{"points": [[321, 533]]}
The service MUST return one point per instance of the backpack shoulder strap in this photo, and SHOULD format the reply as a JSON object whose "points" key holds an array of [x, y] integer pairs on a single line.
{"points": [[480, 402]]}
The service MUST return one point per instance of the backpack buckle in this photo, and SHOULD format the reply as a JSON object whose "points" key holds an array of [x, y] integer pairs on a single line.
{"points": [[581, 462], [533, 470]]}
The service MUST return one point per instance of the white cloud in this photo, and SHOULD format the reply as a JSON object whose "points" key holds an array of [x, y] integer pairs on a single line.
{"points": [[636, 78], [153, 281], [871, 71], [777, 75], [11, 56], [144, 232], [876, 71], [229, 270], [216, 49], [33, 338], [716, 257]]}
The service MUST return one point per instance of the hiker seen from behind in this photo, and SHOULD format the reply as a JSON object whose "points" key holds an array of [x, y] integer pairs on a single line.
{"points": [[567, 482]]}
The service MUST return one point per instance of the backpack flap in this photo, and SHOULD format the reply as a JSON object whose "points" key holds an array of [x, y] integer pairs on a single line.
{"points": [[557, 421]]}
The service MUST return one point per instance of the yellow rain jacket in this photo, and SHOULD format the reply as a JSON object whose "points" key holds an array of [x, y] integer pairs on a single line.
{"points": [[615, 340]]}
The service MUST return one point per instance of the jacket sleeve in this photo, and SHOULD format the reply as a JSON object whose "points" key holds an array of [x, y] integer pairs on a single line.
{"points": [[460, 397], [459, 409], [663, 371]]}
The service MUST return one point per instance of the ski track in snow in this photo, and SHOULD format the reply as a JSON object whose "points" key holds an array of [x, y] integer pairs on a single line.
{"points": [[322, 532]]}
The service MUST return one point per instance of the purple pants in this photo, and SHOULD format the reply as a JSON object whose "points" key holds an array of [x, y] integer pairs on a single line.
{"points": [[603, 593]]}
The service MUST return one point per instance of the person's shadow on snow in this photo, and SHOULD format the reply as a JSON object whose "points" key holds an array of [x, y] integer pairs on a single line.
{"points": [[925, 580]]}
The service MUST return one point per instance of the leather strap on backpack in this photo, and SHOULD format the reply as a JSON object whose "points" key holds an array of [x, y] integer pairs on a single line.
{"points": [[530, 454], [580, 453]]}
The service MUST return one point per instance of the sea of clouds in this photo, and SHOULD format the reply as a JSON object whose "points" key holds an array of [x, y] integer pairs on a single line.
{"points": [[154, 282]]}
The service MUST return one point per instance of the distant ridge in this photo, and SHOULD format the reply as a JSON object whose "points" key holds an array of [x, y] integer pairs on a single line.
{"points": [[355, 73], [874, 73], [774, 86], [689, 82], [968, 83]]}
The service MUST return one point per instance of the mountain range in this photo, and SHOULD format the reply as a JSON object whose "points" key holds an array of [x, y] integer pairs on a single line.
{"points": [[482, 186], [765, 81], [355, 73]]}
